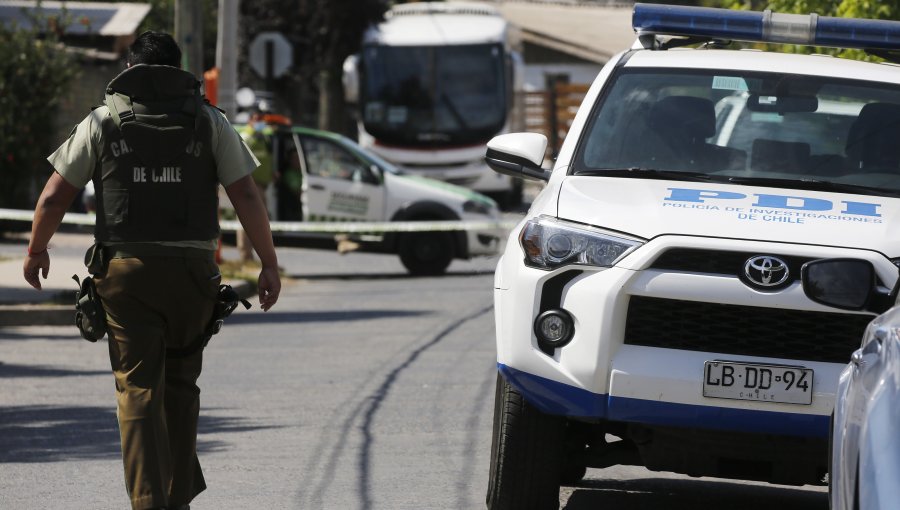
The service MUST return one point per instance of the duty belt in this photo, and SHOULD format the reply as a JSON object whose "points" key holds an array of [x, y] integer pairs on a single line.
{"points": [[137, 250]]}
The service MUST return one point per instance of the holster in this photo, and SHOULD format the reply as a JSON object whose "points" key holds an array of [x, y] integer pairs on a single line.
{"points": [[226, 301], [90, 318]]}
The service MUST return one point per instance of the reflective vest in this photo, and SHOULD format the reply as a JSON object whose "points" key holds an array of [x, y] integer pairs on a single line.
{"points": [[259, 142], [156, 175]]}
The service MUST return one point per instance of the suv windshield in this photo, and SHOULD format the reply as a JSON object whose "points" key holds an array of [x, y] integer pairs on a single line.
{"points": [[754, 128], [434, 95]]}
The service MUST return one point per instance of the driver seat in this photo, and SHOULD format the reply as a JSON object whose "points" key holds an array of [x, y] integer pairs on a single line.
{"points": [[873, 142], [681, 125]]}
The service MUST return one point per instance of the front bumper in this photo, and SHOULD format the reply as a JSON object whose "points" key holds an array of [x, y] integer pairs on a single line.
{"points": [[602, 375]]}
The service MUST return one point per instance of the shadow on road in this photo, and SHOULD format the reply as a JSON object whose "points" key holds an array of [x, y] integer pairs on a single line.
{"points": [[385, 276], [66, 433], [328, 316], [222, 425], [676, 494], [27, 333], [57, 433], [12, 370]]}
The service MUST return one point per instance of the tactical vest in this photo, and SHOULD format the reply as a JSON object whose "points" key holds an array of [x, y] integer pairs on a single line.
{"points": [[156, 175]]}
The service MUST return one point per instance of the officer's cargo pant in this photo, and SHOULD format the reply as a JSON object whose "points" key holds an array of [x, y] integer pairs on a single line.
{"points": [[153, 303]]}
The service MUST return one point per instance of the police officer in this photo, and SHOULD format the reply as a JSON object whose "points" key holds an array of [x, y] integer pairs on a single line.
{"points": [[156, 153]]}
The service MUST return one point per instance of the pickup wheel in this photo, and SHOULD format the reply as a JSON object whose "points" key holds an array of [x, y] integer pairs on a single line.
{"points": [[526, 454], [572, 473], [426, 253]]}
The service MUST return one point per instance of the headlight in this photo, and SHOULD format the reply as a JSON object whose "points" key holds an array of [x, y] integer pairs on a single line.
{"points": [[550, 243], [477, 207]]}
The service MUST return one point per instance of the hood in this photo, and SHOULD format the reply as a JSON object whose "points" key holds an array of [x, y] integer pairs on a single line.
{"points": [[414, 186], [651, 208]]}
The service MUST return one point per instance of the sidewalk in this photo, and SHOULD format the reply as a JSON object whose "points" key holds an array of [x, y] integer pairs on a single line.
{"points": [[21, 305]]}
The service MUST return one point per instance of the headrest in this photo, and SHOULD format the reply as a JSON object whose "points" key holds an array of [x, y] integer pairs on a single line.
{"points": [[775, 155], [694, 117], [875, 131]]}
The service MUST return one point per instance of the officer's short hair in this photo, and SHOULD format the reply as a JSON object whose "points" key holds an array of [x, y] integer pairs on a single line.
{"points": [[154, 48]]}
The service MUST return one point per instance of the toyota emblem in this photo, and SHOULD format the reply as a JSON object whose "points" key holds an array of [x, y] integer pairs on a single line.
{"points": [[766, 272]]}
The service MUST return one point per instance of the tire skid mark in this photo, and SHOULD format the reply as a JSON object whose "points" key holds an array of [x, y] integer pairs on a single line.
{"points": [[479, 411], [375, 400], [326, 473]]}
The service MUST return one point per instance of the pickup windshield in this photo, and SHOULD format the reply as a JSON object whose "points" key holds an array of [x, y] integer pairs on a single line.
{"points": [[432, 96], [770, 129]]}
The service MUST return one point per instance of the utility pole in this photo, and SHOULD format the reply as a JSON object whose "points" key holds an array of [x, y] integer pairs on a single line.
{"points": [[226, 54], [189, 34]]}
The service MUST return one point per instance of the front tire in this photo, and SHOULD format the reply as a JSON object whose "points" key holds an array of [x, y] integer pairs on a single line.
{"points": [[526, 454], [426, 253]]}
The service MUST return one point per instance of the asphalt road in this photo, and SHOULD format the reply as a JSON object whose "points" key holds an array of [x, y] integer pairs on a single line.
{"points": [[362, 389]]}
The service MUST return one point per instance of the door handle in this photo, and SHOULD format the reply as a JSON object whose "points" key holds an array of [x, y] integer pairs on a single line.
{"points": [[317, 186]]}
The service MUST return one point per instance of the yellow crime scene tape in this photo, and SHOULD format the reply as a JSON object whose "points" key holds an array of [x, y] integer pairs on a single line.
{"points": [[330, 227]]}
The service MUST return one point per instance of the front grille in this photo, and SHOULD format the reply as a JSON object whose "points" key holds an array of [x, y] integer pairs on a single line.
{"points": [[729, 263], [743, 330]]}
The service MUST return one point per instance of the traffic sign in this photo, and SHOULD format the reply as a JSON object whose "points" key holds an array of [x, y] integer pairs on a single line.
{"points": [[271, 54]]}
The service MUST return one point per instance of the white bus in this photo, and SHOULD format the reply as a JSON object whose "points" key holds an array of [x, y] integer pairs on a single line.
{"points": [[433, 83]]}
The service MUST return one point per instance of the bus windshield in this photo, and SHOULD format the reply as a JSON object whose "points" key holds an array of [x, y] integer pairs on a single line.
{"points": [[426, 96]]}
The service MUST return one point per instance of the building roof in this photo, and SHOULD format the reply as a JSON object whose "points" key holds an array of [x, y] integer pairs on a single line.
{"points": [[85, 18], [589, 32]]}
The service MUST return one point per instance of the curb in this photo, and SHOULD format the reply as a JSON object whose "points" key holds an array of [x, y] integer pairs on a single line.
{"points": [[64, 315]]}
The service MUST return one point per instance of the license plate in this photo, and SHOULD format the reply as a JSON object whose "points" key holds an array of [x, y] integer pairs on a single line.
{"points": [[757, 382]]}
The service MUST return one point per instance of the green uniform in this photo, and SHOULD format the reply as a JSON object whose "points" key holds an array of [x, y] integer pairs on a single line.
{"points": [[259, 142], [158, 289]]}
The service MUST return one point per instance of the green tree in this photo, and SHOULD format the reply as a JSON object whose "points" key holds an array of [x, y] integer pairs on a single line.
{"points": [[35, 72]]}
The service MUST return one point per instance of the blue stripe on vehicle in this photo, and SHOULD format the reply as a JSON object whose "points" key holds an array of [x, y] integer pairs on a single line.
{"points": [[711, 417], [562, 399], [554, 397]]}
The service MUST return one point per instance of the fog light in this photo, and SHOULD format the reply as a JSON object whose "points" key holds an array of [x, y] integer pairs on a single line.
{"points": [[554, 328]]}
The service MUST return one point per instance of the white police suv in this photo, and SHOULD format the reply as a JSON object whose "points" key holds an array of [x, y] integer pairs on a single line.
{"points": [[648, 308]]}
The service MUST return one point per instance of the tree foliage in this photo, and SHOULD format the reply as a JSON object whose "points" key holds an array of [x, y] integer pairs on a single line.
{"points": [[35, 72], [323, 33]]}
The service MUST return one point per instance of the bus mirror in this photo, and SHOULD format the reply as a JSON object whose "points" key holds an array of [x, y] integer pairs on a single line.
{"points": [[518, 155]]}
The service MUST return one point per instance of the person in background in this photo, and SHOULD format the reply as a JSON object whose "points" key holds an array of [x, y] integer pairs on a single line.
{"points": [[257, 134]]}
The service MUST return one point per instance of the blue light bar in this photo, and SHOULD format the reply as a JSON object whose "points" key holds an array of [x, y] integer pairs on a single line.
{"points": [[766, 26], [697, 21], [863, 33]]}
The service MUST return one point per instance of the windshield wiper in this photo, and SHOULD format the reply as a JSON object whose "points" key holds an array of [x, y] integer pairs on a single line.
{"points": [[814, 185], [647, 173]]}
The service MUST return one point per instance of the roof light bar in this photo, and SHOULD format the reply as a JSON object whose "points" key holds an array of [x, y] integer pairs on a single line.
{"points": [[766, 26]]}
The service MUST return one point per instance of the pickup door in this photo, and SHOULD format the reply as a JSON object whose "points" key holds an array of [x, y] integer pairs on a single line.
{"points": [[337, 184]]}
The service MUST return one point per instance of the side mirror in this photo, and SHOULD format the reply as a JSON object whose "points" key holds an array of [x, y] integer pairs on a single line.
{"points": [[350, 79], [848, 284], [518, 155]]}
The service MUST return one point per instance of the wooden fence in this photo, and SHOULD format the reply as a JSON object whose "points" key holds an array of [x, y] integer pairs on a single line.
{"points": [[551, 112]]}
